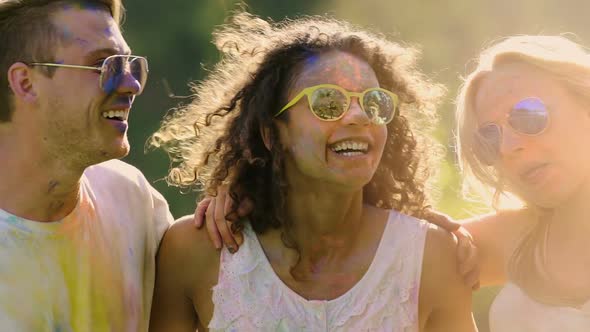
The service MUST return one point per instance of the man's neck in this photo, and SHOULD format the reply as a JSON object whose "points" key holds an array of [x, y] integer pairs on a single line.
{"points": [[36, 186]]}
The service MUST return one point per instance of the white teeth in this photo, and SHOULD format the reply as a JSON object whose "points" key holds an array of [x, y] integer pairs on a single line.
{"points": [[350, 154], [115, 114], [354, 148]]}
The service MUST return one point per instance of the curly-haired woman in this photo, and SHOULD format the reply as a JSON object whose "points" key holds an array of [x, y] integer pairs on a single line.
{"points": [[310, 120]]}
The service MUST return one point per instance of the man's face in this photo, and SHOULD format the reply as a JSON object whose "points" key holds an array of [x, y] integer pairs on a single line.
{"points": [[72, 116]]}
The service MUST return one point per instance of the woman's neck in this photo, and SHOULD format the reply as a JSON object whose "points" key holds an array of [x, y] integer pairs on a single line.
{"points": [[324, 218], [573, 215]]}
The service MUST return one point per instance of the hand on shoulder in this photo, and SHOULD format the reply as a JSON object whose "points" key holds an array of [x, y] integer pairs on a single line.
{"points": [[444, 298]]}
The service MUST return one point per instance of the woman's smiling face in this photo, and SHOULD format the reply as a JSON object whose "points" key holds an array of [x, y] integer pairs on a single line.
{"points": [[321, 150]]}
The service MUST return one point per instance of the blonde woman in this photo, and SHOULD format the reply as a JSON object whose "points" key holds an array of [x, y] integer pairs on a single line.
{"points": [[524, 125]]}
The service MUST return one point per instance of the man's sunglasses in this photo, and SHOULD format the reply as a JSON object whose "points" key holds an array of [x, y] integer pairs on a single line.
{"points": [[330, 102], [113, 70], [527, 117]]}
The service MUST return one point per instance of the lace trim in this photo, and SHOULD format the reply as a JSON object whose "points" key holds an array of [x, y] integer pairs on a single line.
{"points": [[265, 303], [397, 294]]}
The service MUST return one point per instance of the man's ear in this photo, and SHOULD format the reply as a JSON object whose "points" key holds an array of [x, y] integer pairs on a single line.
{"points": [[20, 82]]}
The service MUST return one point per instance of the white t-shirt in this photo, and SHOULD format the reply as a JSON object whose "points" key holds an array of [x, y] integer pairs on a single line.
{"points": [[92, 271]]}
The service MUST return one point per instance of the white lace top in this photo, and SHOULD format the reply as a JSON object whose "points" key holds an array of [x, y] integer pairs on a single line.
{"points": [[249, 295], [513, 310]]}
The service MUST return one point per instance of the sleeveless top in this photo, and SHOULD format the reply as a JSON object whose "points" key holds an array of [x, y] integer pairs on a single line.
{"points": [[513, 310], [249, 295]]}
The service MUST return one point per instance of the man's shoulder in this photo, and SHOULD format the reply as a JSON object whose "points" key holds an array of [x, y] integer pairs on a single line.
{"points": [[117, 180], [114, 168], [115, 172]]}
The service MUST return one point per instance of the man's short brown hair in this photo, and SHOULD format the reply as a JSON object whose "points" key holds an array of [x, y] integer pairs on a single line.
{"points": [[28, 34]]}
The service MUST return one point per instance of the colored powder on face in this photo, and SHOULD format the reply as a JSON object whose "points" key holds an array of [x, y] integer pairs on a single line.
{"points": [[66, 34], [311, 60], [82, 42], [109, 31], [111, 84]]}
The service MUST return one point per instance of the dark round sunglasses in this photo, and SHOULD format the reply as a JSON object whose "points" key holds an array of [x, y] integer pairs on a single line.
{"points": [[528, 117]]}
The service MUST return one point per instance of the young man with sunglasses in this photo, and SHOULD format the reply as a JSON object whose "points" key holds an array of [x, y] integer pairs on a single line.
{"points": [[79, 230]]}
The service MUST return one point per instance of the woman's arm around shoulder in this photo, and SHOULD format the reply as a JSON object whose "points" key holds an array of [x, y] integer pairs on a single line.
{"points": [[496, 237], [186, 270], [445, 300]]}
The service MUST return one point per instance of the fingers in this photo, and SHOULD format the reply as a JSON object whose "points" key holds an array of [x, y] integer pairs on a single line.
{"points": [[211, 225], [467, 255], [222, 224], [218, 219], [472, 280], [200, 211], [464, 246], [441, 220], [246, 207]]}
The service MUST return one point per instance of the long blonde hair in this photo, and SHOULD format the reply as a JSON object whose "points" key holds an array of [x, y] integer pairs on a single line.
{"points": [[564, 61]]}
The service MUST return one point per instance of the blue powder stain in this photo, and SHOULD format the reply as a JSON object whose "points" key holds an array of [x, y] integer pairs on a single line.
{"points": [[311, 60], [111, 84]]}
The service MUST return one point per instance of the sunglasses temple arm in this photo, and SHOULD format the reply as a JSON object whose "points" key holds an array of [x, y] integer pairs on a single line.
{"points": [[292, 102]]}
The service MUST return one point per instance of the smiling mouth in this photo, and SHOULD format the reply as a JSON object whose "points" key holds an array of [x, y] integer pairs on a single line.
{"points": [[350, 148], [117, 115]]}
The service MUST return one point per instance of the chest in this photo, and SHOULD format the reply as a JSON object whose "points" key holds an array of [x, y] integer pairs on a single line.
{"points": [[49, 284], [312, 284]]}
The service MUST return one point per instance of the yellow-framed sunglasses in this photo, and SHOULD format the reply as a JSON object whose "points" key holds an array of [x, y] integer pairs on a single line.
{"points": [[329, 102]]}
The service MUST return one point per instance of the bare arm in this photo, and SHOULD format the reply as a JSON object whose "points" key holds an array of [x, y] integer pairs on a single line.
{"points": [[445, 300], [181, 267], [496, 237]]}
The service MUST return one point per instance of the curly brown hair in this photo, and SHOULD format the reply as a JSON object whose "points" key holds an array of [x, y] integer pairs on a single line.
{"points": [[216, 139]]}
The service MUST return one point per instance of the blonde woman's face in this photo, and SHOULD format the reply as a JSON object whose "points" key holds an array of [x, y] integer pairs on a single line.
{"points": [[547, 168]]}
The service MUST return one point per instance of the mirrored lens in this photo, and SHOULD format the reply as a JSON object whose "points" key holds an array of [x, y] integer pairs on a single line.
{"points": [[328, 103], [529, 116], [487, 143], [379, 106], [116, 67]]}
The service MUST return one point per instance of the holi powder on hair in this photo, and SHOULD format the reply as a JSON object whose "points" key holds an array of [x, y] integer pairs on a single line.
{"points": [[83, 5]]}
